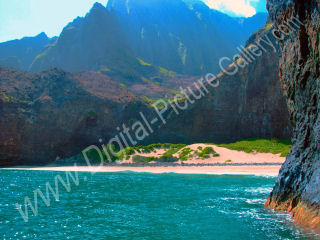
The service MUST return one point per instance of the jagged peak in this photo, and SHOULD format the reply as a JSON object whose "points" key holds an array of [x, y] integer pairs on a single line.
{"points": [[42, 35], [96, 9], [97, 5]]}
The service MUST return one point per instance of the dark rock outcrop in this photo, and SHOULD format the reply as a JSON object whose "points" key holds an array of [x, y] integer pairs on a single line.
{"points": [[248, 104], [297, 189], [56, 114]]}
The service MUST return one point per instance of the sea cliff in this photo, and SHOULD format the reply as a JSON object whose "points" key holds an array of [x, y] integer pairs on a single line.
{"points": [[297, 188]]}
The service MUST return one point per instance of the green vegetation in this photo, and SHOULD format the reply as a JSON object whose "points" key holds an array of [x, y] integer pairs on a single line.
{"points": [[143, 63], [167, 101], [174, 148], [148, 100], [91, 113], [174, 92], [250, 145], [274, 146], [127, 152], [42, 54], [12, 99], [268, 26], [5, 96], [206, 153], [122, 85], [166, 72], [185, 154], [142, 159]]}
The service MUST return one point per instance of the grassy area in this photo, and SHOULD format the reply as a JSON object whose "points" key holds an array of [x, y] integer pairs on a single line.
{"points": [[185, 154], [173, 150], [206, 152], [5, 96], [274, 146], [250, 145], [166, 72], [143, 63]]}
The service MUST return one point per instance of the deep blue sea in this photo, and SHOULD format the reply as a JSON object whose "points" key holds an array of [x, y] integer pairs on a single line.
{"points": [[142, 206]]}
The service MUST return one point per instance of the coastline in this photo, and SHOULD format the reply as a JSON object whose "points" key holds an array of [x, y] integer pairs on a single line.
{"points": [[241, 163], [259, 170]]}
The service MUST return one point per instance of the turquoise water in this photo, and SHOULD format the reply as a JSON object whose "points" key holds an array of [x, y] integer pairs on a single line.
{"points": [[144, 206]]}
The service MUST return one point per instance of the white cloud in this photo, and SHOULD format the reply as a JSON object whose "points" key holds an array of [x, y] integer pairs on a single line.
{"points": [[237, 7]]}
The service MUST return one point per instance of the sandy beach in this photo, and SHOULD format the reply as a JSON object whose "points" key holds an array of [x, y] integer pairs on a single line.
{"points": [[228, 162], [263, 170]]}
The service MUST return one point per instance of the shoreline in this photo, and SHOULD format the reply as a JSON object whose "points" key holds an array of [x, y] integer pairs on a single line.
{"points": [[225, 162], [258, 170]]}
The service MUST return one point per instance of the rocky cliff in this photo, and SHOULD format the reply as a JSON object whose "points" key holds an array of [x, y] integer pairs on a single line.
{"points": [[187, 39], [298, 28], [248, 103], [184, 36], [55, 114]]}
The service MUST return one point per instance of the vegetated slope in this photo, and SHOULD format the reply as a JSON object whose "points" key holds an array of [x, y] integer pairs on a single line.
{"points": [[297, 188]]}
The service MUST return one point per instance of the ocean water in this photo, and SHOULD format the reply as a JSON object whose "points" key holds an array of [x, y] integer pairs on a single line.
{"points": [[143, 206]]}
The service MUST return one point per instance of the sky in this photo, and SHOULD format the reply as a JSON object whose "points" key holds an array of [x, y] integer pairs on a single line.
{"points": [[20, 18], [238, 8]]}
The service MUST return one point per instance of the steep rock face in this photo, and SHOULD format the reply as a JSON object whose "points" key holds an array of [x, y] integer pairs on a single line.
{"points": [[247, 104], [89, 43], [97, 43], [183, 36], [297, 188], [187, 39], [56, 114]]}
